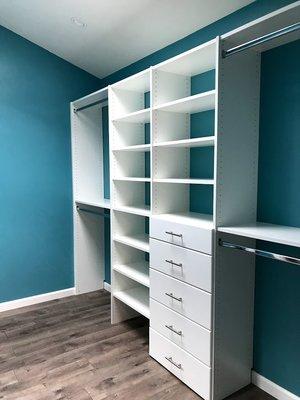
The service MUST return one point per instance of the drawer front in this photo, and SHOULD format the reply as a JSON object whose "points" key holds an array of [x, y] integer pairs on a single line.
{"points": [[187, 300], [187, 265], [186, 334], [189, 370], [191, 237]]}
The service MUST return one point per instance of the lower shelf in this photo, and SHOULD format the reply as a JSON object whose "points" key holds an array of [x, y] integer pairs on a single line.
{"points": [[138, 271], [143, 210], [139, 241], [136, 298], [102, 203]]}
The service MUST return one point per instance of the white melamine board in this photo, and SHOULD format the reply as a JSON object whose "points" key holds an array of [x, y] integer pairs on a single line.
{"points": [[138, 241], [237, 140], [192, 372], [168, 87], [269, 23], [287, 235], [185, 181], [168, 198], [138, 148], [143, 210], [193, 62], [130, 195], [162, 286], [87, 155], [137, 83], [194, 339], [88, 252], [189, 266], [125, 134], [136, 298], [137, 271], [233, 318], [99, 95], [131, 179], [188, 218], [171, 163], [192, 104], [168, 126], [140, 116], [103, 203], [195, 142], [128, 165]]}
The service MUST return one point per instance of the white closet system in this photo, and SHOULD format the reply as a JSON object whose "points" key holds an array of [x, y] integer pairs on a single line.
{"points": [[200, 303]]}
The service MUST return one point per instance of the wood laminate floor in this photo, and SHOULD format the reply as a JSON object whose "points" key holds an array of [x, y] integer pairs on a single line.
{"points": [[67, 350]]}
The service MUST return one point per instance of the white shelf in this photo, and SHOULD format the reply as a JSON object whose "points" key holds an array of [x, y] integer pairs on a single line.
{"points": [[143, 210], [132, 179], [141, 116], [136, 298], [138, 147], [186, 181], [272, 233], [103, 203], [192, 104], [138, 271], [139, 82], [192, 62], [195, 142], [188, 218], [140, 241]]}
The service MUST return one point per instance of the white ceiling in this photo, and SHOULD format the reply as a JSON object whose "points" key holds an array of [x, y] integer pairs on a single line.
{"points": [[118, 32]]}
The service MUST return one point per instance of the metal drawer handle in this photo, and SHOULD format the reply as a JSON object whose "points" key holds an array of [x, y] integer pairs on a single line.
{"points": [[173, 234], [174, 263], [170, 359], [173, 297], [179, 333]]}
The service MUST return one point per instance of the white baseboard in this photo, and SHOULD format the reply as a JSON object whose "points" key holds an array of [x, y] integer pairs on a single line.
{"points": [[272, 388], [40, 298], [106, 286]]}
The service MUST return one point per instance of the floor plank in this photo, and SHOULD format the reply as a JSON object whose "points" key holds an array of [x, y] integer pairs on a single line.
{"points": [[67, 349]]}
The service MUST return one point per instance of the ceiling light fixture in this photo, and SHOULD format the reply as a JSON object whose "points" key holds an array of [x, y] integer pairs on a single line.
{"points": [[78, 22]]}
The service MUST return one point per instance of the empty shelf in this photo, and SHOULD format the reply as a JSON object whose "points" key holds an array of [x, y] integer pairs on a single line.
{"points": [[136, 298], [139, 82], [188, 181], [272, 233], [138, 147], [132, 179], [189, 218], [141, 116], [192, 62], [192, 104], [138, 210], [138, 271], [195, 142], [139, 241], [103, 203]]}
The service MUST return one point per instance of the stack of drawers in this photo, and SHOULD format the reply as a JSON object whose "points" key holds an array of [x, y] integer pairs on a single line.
{"points": [[181, 301]]}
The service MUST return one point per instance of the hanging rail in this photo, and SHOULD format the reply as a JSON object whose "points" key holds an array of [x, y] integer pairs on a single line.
{"points": [[262, 39], [89, 105], [93, 212], [262, 253]]}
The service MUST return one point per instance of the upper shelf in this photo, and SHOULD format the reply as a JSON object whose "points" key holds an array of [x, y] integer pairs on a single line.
{"points": [[191, 104], [141, 116], [195, 142], [137, 147], [192, 62], [99, 96], [272, 233], [187, 181], [137, 83]]}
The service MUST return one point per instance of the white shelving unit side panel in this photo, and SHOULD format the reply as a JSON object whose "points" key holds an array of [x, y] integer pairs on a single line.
{"points": [[237, 139]]}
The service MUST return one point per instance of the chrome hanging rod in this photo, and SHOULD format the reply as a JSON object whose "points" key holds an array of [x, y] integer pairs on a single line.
{"points": [[101, 214], [89, 105], [262, 253], [262, 39]]}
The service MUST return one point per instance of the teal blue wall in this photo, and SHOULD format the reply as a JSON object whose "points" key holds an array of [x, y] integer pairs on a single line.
{"points": [[277, 306], [36, 249], [276, 342]]}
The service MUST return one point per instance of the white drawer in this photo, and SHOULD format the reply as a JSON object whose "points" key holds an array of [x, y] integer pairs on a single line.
{"points": [[187, 265], [185, 333], [189, 301], [189, 370], [191, 237]]}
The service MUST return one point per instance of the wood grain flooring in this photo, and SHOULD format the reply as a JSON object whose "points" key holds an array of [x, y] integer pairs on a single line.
{"points": [[67, 350]]}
